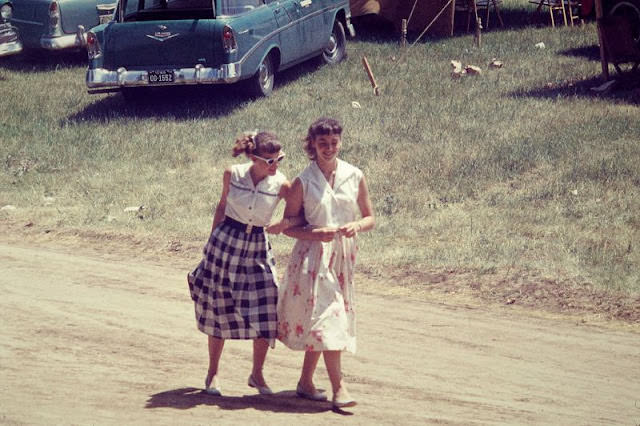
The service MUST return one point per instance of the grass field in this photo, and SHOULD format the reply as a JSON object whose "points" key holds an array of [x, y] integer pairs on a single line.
{"points": [[518, 177]]}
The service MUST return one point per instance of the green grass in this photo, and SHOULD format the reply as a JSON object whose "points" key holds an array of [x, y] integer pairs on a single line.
{"points": [[518, 168]]}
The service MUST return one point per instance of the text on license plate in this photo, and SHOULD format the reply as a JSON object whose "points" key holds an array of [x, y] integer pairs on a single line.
{"points": [[160, 77]]}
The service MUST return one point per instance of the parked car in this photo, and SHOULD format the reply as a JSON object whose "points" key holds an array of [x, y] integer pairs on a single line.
{"points": [[9, 41], [54, 24], [183, 42]]}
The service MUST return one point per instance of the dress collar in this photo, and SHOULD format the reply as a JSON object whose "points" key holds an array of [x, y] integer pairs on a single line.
{"points": [[337, 181]]}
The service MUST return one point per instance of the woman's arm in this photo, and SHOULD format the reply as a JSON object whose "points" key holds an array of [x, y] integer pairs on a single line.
{"points": [[286, 222], [218, 216], [368, 221], [294, 211]]}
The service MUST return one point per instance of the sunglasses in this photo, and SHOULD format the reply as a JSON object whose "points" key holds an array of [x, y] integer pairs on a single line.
{"points": [[270, 161]]}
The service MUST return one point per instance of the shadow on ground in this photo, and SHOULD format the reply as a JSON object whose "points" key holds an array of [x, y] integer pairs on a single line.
{"points": [[40, 61], [591, 53], [280, 402], [626, 89], [182, 103]]}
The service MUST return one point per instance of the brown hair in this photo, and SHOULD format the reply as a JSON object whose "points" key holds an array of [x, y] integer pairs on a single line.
{"points": [[322, 126], [256, 143]]}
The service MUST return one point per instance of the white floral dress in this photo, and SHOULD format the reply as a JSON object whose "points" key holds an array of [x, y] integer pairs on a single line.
{"points": [[316, 302]]}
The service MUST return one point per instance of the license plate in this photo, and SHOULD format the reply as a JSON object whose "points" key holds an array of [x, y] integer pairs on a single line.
{"points": [[160, 77]]}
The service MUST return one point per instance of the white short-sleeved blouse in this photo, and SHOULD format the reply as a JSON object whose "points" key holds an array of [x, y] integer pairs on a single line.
{"points": [[253, 205], [326, 206]]}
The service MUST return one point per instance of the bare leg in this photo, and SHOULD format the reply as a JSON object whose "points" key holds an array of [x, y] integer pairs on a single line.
{"points": [[308, 368], [332, 360], [215, 350], [260, 348]]}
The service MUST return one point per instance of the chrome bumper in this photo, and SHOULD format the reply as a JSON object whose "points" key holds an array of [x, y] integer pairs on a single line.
{"points": [[352, 31], [10, 43], [69, 41], [101, 79]]}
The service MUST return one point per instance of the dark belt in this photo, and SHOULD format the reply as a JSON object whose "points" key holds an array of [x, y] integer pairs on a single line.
{"points": [[249, 229]]}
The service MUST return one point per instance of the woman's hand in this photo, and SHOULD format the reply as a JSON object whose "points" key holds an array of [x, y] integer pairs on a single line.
{"points": [[350, 229], [277, 227]]}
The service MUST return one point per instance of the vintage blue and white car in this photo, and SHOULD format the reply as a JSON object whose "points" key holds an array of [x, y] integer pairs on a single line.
{"points": [[9, 42], [56, 25], [188, 42]]}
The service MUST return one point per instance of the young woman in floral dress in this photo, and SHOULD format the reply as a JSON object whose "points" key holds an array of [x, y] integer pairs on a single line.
{"points": [[316, 308]]}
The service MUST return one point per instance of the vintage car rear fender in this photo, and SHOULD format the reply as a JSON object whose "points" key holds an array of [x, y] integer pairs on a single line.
{"points": [[98, 62], [79, 12], [249, 63], [31, 17]]}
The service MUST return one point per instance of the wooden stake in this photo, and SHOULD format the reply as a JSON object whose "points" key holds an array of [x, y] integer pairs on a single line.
{"points": [[478, 35], [372, 79]]}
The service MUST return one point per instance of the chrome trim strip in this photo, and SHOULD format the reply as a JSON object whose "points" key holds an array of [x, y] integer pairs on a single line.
{"points": [[24, 21], [68, 41], [10, 48], [107, 7], [100, 78]]}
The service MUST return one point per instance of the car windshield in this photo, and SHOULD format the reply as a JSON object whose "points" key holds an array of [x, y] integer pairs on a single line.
{"points": [[236, 7], [146, 10]]}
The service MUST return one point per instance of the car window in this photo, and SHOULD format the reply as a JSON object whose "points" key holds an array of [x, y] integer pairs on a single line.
{"points": [[236, 7], [167, 9]]}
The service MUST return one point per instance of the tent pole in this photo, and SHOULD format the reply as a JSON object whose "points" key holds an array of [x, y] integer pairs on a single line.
{"points": [[603, 53]]}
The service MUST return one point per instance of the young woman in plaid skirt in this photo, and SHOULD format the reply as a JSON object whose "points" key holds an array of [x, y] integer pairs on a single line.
{"points": [[316, 307], [234, 287]]}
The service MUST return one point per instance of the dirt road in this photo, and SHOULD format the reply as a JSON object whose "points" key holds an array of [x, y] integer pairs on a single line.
{"points": [[88, 338]]}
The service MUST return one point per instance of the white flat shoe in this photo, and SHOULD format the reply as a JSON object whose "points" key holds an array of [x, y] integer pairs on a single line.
{"points": [[212, 390], [338, 403], [263, 390], [313, 396]]}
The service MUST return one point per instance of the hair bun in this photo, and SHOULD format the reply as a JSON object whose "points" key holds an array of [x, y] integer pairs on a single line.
{"points": [[250, 144], [245, 144]]}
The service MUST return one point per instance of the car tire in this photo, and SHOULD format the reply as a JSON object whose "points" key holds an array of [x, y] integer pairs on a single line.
{"points": [[629, 9], [336, 49], [261, 84]]}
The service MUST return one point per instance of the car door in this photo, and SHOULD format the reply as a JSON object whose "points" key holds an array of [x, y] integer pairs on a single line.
{"points": [[315, 28], [291, 32]]}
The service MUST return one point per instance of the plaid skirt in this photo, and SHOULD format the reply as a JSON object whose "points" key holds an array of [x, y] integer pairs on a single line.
{"points": [[234, 287]]}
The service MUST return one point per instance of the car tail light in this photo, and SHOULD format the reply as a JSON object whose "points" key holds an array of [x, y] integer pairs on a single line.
{"points": [[6, 11], [54, 19], [93, 45], [228, 39]]}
